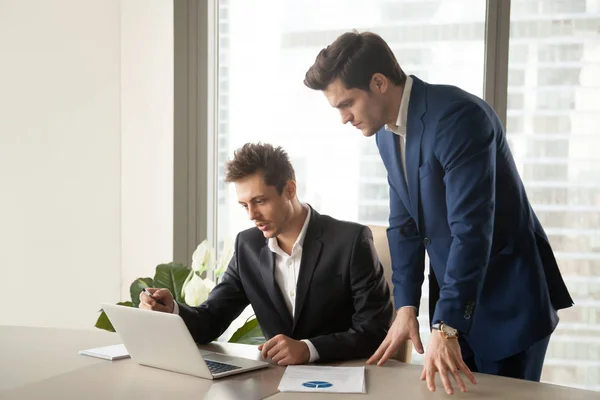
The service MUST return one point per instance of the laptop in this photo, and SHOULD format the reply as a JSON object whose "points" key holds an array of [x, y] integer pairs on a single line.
{"points": [[162, 340]]}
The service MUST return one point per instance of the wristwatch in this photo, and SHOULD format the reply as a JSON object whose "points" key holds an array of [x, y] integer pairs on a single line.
{"points": [[447, 331]]}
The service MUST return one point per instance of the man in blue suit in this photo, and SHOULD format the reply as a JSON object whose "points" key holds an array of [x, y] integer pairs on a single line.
{"points": [[455, 191]]}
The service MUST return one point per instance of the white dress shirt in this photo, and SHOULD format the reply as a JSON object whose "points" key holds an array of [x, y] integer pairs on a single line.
{"points": [[287, 268], [400, 127]]}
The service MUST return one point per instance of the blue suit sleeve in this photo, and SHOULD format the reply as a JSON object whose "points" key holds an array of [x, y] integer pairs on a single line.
{"points": [[407, 253], [466, 149]]}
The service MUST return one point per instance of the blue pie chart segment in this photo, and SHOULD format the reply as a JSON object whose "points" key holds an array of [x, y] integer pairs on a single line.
{"points": [[317, 384]]}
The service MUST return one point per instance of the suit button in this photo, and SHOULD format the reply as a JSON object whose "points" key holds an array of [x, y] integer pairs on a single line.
{"points": [[467, 315], [426, 241]]}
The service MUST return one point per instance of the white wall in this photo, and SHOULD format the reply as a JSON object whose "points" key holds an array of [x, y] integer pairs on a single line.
{"points": [[146, 137], [69, 234]]}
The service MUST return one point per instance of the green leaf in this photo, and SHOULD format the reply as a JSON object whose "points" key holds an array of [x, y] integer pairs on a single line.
{"points": [[249, 333], [104, 323], [136, 287], [171, 276]]}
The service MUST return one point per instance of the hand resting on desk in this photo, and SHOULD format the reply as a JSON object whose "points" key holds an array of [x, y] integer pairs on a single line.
{"points": [[284, 350], [443, 355], [404, 327]]}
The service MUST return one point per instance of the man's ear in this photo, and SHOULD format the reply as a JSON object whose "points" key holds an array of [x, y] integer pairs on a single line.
{"points": [[379, 83], [290, 189]]}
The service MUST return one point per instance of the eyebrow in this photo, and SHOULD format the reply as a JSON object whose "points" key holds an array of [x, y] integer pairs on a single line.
{"points": [[342, 103], [260, 196]]}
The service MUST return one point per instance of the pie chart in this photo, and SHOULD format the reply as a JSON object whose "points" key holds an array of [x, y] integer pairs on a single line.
{"points": [[317, 384]]}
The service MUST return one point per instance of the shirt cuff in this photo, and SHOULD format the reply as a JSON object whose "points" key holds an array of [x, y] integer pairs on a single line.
{"points": [[314, 354], [175, 308], [407, 306]]}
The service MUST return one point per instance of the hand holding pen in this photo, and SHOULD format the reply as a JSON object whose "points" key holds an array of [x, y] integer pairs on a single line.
{"points": [[156, 300], [145, 290]]}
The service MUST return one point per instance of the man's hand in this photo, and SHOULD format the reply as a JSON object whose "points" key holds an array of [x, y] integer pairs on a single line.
{"points": [[405, 327], [283, 350], [161, 300], [443, 356]]}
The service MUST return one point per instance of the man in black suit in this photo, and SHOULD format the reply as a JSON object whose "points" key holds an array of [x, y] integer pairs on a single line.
{"points": [[315, 284]]}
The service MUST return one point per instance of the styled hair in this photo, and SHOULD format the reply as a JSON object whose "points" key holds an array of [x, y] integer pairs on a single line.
{"points": [[354, 58], [272, 162]]}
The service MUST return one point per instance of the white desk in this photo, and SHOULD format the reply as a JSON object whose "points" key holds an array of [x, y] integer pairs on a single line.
{"points": [[43, 363], [29, 355]]}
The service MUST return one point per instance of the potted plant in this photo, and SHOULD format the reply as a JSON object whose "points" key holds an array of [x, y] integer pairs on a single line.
{"points": [[188, 286]]}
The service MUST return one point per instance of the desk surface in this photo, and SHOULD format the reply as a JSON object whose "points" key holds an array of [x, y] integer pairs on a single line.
{"points": [[43, 363]]}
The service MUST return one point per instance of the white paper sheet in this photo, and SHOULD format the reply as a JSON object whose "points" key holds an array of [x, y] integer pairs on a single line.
{"points": [[305, 378], [114, 352]]}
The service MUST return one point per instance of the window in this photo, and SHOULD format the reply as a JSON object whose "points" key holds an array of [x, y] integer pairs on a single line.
{"points": [[269, 47], [515, 100], [561, 52], [553, 116], [553, 7], [555, 100], [554, 135], [516, 77], [561, 76]]}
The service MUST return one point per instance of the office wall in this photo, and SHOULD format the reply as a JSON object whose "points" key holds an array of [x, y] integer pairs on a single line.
{"points": [[76, 178], [59, 159], [146, 137]]}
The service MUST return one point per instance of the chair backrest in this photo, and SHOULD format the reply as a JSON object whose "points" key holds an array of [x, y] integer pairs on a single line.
{"points": [[382, 248], [383, 251]]}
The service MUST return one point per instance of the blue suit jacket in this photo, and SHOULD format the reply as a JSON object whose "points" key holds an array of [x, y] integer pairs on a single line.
{"points": [[497, 279]]}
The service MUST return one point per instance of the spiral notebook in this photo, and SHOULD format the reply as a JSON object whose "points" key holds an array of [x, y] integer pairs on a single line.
{"points": [[114, 352]]}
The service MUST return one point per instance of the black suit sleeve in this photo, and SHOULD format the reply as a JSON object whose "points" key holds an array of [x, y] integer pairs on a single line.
{"points": [[224, 304], [372, 307]]}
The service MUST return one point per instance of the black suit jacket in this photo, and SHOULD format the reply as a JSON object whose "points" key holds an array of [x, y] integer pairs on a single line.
{"points": [[343, 303]]}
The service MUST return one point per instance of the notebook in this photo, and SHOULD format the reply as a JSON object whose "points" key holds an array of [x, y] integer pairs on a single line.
{"points": [[114, 352]]}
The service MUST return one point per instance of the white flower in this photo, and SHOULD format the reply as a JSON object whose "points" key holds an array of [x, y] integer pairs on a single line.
{"points": [[226, 255], [196, 290], [204, 258]]}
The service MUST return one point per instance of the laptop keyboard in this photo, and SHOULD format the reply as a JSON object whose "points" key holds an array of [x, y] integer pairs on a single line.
{"points": [[217, 367]]}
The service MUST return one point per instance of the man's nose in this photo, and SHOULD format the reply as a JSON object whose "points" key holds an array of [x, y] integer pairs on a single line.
{"points": [[252, 212], [346, 117]]}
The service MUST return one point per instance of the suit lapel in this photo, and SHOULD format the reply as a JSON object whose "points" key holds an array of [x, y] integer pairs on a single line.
{"points": [[404, 191], [414, 134], [267, 269], [390, 144], [311, 250]]}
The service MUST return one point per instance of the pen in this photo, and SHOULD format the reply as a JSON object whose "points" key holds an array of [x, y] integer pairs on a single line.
{"points": [[152, 297]]}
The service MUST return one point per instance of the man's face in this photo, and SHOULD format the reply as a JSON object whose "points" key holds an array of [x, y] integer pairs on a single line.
{"points": [[269, 210], [364, 110]]}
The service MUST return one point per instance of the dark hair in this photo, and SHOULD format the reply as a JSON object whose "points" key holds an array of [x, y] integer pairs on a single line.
{"points": [[272, 162], [354, 58]]}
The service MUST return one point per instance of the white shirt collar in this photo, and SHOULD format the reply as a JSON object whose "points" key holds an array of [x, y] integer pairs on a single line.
{"points": [[403, 112], [274, 245]]}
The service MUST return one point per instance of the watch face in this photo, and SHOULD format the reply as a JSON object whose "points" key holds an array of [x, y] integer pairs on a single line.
{"points": [[449, 332]]}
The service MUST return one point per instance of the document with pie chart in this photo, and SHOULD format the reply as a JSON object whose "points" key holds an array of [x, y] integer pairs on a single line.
{"points": [[307, 378]]}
